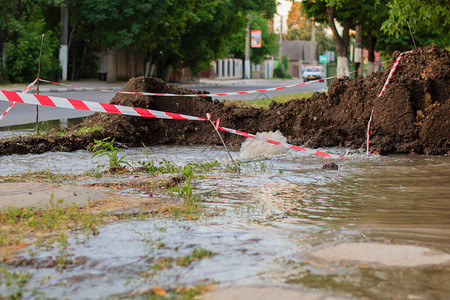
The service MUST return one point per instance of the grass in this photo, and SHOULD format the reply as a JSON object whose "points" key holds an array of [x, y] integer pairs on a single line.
{"points": [[264, 103], [43, 175], [165, 263], [87, 129], [44, 227], [12, 281], [181, 293], [106, 148]]}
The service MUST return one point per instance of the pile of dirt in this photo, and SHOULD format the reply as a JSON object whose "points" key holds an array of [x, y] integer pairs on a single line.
{"points": [[412, 116]]}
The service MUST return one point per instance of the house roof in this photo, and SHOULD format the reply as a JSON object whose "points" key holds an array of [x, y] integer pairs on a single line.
{"points": [[297, 50]]}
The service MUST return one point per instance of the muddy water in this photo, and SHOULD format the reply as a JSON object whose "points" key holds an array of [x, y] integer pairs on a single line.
{"points": [[266, 223]]}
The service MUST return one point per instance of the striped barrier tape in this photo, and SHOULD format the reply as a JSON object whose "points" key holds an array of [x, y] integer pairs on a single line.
{"points": [[133, 111], [391, 72], [91, 106], [286, 145], [14, 103], [200, 95], [394, 67], [191, 95]]}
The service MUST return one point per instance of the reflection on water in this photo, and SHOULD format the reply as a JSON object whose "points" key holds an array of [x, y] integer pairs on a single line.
{"points": [[267, 222]]}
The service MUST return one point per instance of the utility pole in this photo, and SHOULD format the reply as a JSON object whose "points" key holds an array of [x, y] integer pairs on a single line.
{"points": [[247, 52], [63, 51], [313, 39], [281, 43]]}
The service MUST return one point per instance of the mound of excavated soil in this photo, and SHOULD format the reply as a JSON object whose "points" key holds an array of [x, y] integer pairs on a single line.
{"points": [[411, 117]]}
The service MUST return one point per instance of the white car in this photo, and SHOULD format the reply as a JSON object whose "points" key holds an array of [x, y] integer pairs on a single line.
{"points": [[313, 73]]}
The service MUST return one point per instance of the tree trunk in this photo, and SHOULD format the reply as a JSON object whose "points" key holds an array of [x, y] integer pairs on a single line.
{"points": [[359, 50], [74, 60], [83, 60], [340, 42], [371, 58]]}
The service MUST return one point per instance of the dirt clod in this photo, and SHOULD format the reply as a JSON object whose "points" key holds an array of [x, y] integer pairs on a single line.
{"points": [[330, 166]]}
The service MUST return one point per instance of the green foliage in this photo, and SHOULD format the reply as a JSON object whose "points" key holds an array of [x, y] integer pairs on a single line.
{"points": [[423, 17], [299, 28], [281, 70], [269, 44], [106, 148], [197, 254], [87, 129], [3, 75], [264, 103], [23, 52], [55, 217]]}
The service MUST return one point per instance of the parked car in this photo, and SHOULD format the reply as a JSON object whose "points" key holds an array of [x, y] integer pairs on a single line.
{"points": [[313, 73]]}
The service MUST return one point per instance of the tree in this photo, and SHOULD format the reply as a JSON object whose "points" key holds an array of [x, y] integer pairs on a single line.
{"points": [[207, 31], [431, 16], [22, 25], [372, 14], [299, 28], [173, 34], [299, 25], [328, 12], [269, 44], [96, 25]]}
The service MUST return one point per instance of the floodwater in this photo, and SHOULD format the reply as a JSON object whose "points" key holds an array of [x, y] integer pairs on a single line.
{"points": [[263, 226]]}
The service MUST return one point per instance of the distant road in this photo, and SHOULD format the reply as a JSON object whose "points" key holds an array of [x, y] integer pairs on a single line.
{"points": [[310, 87], [25, 114]]}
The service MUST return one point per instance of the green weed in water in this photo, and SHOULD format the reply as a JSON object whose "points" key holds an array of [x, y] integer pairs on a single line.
{"points": [[12, 283], [106, 148]]}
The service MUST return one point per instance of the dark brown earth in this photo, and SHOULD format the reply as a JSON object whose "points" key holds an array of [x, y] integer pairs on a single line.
{"points": [[411, 117]]}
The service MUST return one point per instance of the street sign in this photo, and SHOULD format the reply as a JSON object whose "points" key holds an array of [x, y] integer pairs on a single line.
{"points": [[322, 58], [256, 39]]}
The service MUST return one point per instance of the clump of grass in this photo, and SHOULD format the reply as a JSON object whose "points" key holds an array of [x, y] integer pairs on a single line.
{"points": [[87, 129], [46, 227], [190, 208], [106, 148], [12, 283], [197, 254], [165, 263], [264, 103], [43, 175], [181, 293]]}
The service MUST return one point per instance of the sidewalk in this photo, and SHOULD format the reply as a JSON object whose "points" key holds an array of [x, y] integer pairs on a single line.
{"points": [[49, 87]]}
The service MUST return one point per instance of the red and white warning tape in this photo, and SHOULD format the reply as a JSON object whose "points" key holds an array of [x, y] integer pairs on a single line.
{"points": [[190, 95], [286, 145], [133, 111], [394, 67], [91, 106], [14, 103]]}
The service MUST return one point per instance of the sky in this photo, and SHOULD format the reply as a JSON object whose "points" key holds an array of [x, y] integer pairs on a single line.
{"points": [[283, 8]]}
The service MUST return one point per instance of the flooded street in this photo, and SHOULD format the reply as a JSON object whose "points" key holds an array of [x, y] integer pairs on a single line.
{"points": [[262, 227]]}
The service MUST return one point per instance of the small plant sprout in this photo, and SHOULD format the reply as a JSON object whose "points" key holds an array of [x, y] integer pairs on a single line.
{"points": [[106, 148]]}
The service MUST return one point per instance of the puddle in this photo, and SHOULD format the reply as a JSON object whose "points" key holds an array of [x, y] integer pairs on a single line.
{"points": [[266, 224]]}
